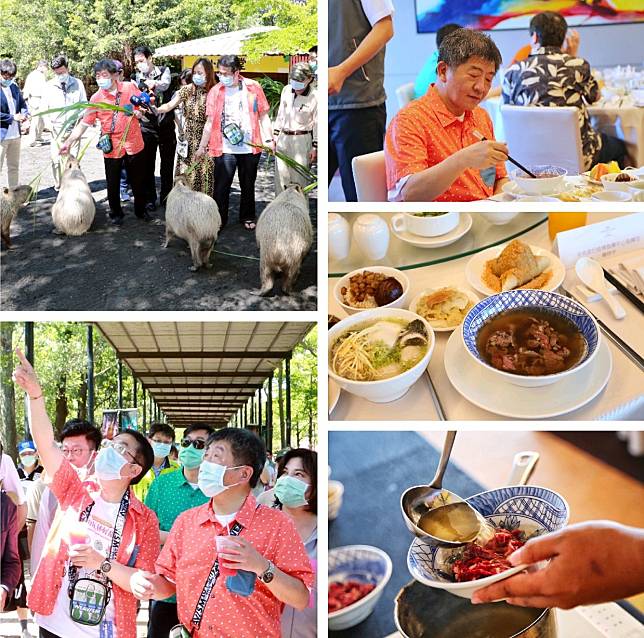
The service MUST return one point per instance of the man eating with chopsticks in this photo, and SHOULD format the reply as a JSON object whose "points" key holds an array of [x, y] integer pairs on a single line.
{"points": [[441, 147]]}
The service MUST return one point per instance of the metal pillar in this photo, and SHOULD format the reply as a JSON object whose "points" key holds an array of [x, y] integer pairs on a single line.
{"points": [[145, 402], [119, 388], [259, 410], [288, 400], [90, 373], [269, 415], [29, 353], [134, 391]]}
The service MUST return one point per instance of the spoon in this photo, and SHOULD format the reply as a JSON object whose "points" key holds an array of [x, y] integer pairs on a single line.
{"points": [[591, 273]]}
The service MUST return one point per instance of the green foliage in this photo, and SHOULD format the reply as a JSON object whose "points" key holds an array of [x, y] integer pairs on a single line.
{"points": [[273, 91]]}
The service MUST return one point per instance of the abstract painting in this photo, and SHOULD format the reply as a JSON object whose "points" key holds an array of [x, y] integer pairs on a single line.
{"points": [[516, 14]]}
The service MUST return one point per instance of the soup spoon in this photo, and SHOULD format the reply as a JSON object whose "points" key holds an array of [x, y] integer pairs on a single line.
{"points": [[590, 272]]}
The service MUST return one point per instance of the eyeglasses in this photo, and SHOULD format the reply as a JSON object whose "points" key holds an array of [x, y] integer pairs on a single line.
{"points": [[74, 451], [119, 447], [197, 444]]}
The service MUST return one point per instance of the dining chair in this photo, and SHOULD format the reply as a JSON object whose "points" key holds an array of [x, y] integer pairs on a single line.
{"points": [[544, 135], [370, 177], [405, 94]]}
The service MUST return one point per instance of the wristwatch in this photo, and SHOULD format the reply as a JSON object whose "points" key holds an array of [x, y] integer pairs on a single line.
{"points": [[106, 565], [269, 574]]}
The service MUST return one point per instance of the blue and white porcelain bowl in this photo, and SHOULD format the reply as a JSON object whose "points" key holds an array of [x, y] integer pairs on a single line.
{"points": [[552, 302], [366, 564], [533, 510], [541, 185]]}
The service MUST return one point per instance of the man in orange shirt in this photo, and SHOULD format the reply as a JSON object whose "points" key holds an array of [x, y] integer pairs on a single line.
{"points": [[125, 135], [237, 591], [441, 147]]}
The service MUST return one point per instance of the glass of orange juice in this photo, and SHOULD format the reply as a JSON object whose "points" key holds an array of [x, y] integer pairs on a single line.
{"points": [[558, 222]]}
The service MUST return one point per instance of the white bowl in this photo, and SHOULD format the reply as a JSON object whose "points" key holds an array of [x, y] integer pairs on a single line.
{"points": [[537, 198], [385, 270], [383, 390], [489, 308], [358, 562], [428, 291], [541, 185], [432, 226], [498, 218], [612, 196], [636, 188], [609, 183]]}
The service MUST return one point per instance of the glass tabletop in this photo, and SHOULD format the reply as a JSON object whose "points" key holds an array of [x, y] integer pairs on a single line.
{"points": [[404, 256]]}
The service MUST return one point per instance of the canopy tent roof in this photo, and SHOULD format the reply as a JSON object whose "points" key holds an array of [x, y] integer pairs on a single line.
{"points": [[230, 43], [202, 371]]}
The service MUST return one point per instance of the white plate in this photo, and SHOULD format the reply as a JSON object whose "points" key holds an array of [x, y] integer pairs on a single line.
{"points": [[334, 394], [475, 267], [463, 227], [513, 190], [412, 306], [483, 389]]}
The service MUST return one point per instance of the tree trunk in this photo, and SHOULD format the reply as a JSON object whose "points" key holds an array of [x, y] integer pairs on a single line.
{"points": [[280, 402], [62, 410], [311, 415], [82, 400], [8, 403]]}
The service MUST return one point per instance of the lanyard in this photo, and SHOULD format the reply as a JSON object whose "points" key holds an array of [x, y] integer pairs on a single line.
{"points": [[210, 583], [116, 113], [116, 538]]}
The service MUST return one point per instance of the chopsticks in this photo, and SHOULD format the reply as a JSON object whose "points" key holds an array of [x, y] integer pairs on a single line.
{"points": [[624, 290], [511, 160], [437, 402]]}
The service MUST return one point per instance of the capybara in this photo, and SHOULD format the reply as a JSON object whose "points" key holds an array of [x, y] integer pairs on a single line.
{"points": [[11, 201], [74, 209]]}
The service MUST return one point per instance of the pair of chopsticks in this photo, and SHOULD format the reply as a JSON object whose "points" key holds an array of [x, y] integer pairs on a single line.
{"points": [[634, 299], [511, 160]]}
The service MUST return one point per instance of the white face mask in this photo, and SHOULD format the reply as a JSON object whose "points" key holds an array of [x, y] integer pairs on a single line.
{"points": [[142, 66], [63, 77], [211, 478]]}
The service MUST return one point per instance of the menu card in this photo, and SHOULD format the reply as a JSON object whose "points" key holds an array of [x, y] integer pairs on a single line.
{"points": [[603, 239]]}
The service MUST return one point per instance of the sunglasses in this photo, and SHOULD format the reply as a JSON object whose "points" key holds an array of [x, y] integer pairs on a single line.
{"points": [[198, 444]]}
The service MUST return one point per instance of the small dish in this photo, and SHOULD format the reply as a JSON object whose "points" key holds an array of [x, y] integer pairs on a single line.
{"points": [[366, 564], [400, 276], [512, 189], [499, 218], [334, 395], [475, 267], [414, 304], [463, 228], [610, 183], [425, 226], [612, 196], [541, 185]]}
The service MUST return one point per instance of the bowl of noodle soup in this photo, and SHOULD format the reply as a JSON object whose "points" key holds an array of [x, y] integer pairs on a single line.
{"points": [[379, 354]]}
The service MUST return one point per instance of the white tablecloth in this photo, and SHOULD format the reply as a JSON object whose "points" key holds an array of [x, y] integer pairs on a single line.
{"points": [[626, 123], [622, 399]]}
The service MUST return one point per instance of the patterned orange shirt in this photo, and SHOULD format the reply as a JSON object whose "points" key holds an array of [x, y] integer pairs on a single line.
{"points": [[133, 142], [140, 536], [425, 133], [190, 551]]}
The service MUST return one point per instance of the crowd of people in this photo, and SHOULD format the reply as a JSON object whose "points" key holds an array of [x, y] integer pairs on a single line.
{"points": [[222, 542], [441, 146], [214, 125]]}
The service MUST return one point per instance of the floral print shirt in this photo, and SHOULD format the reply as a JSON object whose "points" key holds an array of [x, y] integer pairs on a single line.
{"points": [[549, 77]]}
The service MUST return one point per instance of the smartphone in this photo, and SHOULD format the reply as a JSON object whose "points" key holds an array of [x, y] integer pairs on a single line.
{"points": [[242, 583]]}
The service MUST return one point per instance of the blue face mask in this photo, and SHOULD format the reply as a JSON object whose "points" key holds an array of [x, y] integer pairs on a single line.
{"points": [[297, 86], [198, 79], [211, 478], [226, 80], [314, 66], [290, 491], [161, 450], [6, 82], [109, 464], [104, 83]]}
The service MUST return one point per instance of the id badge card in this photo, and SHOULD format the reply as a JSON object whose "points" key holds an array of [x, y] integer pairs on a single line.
{"points": [[179, 631], [88, 601], [488, 175], [242, 583]]}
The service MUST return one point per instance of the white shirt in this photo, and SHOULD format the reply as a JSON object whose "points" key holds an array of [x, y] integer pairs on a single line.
{"points": [[297, 112], [9, 476], [35, 85], [100, 528], [236, 110], [225, 519], [376, 10], [55, 97], [13, 132]]}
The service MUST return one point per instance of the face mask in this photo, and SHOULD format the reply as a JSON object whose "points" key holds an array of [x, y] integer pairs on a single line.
{"points": [[104, 83], [290, 491], [6, 82], [314, 66], [211, 478], [161, 450], [63, 77], [190, 458], [28, 459], [198, 79], [142, 66], [226, 80], [298, 86], [109, 464]]}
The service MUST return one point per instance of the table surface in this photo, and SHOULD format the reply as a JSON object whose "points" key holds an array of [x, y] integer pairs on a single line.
{"points": [[624, 386]]}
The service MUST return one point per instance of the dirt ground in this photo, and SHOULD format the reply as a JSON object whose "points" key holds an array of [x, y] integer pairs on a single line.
{"points": [[126, 268]]}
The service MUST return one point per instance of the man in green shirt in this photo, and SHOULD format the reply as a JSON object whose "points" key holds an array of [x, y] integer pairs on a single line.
{"points": [[161, 437], [172, 493]]}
